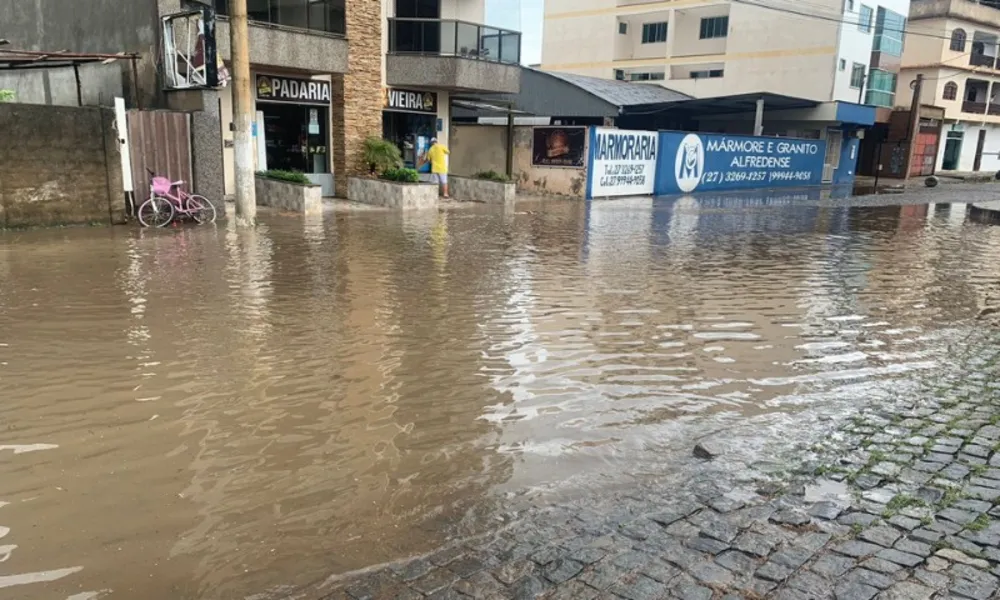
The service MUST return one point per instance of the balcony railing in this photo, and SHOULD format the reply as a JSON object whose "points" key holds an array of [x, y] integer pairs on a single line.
{"points": [[976, 108], [994, 110], [316, 15], [982, 60], [444, 37]]}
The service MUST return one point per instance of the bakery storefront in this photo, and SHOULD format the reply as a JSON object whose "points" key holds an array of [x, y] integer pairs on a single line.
{"points": [[293, 126], [410, 119]]}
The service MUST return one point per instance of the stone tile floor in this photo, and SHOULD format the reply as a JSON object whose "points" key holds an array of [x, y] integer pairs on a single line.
{"points": [[902, 504]]}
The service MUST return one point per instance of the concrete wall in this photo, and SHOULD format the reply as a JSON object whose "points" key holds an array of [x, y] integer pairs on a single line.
{"points": [[99, 85], [293, 49], [477, 148], [105, 26], [206, 151], [451, 72], [64, 168]]}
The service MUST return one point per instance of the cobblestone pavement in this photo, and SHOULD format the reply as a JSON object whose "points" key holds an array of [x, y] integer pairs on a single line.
{"points": [[900, 502]]}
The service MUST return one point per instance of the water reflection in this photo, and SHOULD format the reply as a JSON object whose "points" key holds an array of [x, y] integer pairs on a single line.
{"points": [[215, 412]]}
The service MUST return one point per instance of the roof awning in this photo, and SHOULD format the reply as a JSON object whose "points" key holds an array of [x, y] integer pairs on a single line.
{"points": [[477, 105], [32, 59]]}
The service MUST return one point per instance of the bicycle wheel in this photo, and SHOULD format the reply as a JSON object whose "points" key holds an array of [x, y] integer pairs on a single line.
{"points": [[201, 209], [156, 212]]}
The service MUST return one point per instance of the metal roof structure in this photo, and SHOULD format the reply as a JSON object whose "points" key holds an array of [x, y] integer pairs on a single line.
{"points": [[14, 60], [34, 59], [721, 105], [552, 94], [620, 93]]}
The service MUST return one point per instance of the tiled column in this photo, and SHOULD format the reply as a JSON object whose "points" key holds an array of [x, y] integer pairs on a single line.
{"points": [[357, 94]]}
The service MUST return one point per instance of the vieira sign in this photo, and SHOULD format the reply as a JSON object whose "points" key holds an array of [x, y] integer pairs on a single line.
{"points": [[622, 163]]}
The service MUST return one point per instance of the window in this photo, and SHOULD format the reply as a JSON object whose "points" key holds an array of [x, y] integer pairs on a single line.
{"points": [[714, 27], [950, 91], [958, 40], [619, 75], [843, 65], [653, 33], [865, 19], [646, 76], [622, 28], [858, 76], [889, 27], [712, 74], [850, 5], [881, 88], [320, 15]]}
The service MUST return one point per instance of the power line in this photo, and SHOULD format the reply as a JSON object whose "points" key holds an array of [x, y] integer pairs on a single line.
{"points": [[841, 21]]}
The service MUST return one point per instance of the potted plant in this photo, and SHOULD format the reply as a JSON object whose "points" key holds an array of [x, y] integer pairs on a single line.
{"points": [[390, 184], [288, 190], [485, 186]]}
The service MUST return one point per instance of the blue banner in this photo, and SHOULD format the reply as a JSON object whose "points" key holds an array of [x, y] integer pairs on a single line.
{"points": [[701, 162]]}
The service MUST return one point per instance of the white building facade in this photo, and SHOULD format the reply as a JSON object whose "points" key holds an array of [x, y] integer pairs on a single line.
{"points": [[954, 45], [823, 50]]}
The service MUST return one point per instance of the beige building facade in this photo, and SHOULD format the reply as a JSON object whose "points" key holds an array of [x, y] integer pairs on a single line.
{"points": [[954, 45], [837, 50]]}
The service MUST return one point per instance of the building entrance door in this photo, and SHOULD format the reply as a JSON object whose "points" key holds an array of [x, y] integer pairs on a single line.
{"points": [[952, 151], [295, 138]]}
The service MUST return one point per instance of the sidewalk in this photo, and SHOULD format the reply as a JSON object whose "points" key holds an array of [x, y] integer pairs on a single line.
{"points": [[903, 502]]}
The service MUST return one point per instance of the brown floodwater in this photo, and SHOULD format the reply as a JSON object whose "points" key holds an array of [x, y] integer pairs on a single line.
{"points": [[216, 413]]}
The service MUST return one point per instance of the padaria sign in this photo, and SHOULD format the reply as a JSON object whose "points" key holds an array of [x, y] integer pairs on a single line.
{"points": [[271, 88]]}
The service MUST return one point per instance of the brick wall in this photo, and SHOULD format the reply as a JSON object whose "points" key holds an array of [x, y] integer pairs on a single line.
{"points": [[59, 165], [357, 95]]}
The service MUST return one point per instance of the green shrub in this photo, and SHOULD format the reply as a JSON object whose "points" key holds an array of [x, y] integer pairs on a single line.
{"points": [[381, 155], [7, 95], [401, 175], [290, 176], [492, 176]]}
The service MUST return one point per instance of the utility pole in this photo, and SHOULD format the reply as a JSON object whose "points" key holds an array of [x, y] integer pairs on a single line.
{"points": [[246, 196], [914, 125]]}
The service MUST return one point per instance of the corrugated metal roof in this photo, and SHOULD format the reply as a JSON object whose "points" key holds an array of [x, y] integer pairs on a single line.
{"points": [[620, 93]]}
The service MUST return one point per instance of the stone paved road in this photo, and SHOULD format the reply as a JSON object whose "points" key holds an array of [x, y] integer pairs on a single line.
{"points": [[903, 504]]}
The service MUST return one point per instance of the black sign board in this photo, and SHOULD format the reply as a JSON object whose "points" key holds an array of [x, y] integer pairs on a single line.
{"points": [[415, 101], [289, 89], [558, 146]]}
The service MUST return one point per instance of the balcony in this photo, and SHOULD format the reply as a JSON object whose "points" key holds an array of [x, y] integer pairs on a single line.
{"points": [[982, 60], [294, 34], [994, 110], [975, 108], [453, 55]]}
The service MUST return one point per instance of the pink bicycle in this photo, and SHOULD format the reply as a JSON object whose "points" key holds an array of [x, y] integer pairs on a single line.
{"points": [[167, 200]]}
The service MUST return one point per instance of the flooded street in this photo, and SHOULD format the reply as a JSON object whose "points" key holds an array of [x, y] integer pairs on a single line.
{"points": [[218, 413]]}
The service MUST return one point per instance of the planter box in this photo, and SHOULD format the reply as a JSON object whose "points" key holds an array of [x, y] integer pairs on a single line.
{"points": [[286, 195], [392, 194], [470, 189]]}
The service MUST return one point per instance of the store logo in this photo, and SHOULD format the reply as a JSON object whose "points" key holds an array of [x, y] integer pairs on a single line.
{"points": [[690, 163]]}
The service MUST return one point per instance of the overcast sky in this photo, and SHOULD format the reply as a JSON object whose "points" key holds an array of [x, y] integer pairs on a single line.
{"points": [[524, 16]]}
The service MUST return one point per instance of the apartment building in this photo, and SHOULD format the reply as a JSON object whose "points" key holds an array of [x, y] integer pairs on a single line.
{"points": [[833, 50], [954, 44], [436, 51]]}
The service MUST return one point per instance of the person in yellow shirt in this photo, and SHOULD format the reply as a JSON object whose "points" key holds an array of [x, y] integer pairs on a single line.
{"points": [[437, 154]]}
